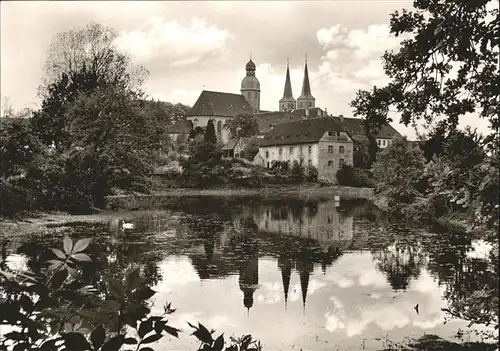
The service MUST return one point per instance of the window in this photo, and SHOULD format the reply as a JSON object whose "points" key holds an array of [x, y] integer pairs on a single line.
{"points": [[330, 163], [341, 162], [291, 150], [267, 154], [280, 151], [378, 142], [341, 149], [330, 149], [309, 163], [331, 133], [338, 133], [310, 104], [310, 149]]}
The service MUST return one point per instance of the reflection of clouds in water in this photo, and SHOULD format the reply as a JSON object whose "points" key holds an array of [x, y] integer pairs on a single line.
{"points": [[176, 271], [480, 249], [270, 292], [355, 315], [349, 269]]}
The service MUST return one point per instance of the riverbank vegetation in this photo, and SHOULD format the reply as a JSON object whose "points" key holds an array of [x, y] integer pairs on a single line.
{"points": [[445, 70]]}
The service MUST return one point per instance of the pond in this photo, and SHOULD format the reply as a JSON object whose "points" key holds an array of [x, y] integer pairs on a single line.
{"points": [[296, 274]]}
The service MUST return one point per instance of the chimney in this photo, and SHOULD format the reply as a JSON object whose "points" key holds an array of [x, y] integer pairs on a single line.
{"points": [[341, 117], [307, 112], [326, 112]]}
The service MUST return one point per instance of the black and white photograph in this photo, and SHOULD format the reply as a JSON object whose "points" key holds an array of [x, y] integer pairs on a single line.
{"points": [[249, 175]]}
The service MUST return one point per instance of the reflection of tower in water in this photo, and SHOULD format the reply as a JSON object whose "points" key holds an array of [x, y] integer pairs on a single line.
{"points": [[285, 265], [248, 261], [305, 267]]}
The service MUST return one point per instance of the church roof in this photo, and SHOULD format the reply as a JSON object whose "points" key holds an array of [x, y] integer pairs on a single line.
{"points": [[267, 120], [354, 126], [181, 126], [300, 132], [214, 103]]}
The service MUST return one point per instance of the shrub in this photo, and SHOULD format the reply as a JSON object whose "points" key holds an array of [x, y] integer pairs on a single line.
{"points": [[349, 176], [297, 173], [311, 174]]}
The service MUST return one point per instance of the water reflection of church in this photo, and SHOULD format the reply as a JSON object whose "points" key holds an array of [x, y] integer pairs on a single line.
{"points": [[299, 235]]}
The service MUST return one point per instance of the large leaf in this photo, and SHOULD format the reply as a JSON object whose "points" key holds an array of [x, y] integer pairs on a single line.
{"points": [[68, 245], [143, 294], [116, 289], [81, 257], [219, 343], [98, 336], [203, 334], [59, 253], [75, 341], [81, 245], [172, 331], [145, 327], [113, 344], [152, 338], [59, 279]]}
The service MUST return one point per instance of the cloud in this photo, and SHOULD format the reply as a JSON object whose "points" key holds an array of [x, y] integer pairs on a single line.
{"points": [[175, 43]]}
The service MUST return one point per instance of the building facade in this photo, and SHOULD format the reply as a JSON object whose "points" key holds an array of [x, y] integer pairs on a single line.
{"points": [[318, 142]]}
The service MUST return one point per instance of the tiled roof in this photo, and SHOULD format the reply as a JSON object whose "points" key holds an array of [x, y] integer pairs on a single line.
{"points": [[267, 120], [355, 127], [214, 103], [300, 132], [181, 126], [231, 143]]}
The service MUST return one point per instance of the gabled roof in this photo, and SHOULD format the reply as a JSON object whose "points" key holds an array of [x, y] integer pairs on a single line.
{"points": [[179, 127], [354, 126], [300, 132], [231, 143], [267, 120], [214, 103]]}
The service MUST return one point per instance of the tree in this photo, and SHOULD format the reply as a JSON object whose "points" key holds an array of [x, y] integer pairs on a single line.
{"points": [[93, 48], [398, 169], [243, 125], [112, 139], [446, 68], [79, 61], [250, 150], [210, 136], [200, 168], [18, 148]]}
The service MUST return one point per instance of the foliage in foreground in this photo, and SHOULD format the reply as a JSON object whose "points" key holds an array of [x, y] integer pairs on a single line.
{"points": [[54, 309]]}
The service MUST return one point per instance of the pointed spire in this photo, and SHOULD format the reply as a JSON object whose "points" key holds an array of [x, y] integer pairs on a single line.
{"points": [[306, 87], [304, 283], [286, 272], [287, 93]]}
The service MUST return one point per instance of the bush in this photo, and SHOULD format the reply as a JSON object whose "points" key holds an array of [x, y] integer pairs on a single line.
{"points": [[297, 173], [311, 174], [349, 176]]}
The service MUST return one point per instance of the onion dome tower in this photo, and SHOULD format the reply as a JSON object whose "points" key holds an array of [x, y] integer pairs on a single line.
{"points": [[250, 87]]}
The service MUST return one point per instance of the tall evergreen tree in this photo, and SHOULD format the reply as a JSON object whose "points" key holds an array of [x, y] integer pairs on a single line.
{"points": [[210, 133]]}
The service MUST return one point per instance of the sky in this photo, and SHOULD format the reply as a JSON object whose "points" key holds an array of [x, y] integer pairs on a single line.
{"points": [[191, 46]]}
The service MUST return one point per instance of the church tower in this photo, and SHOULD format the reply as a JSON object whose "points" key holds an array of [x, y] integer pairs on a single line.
{"points": [[287, 103], [250, 87], [305, 100]]}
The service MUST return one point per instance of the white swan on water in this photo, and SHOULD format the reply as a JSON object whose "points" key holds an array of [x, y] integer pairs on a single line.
{"points": [[126, 225]]}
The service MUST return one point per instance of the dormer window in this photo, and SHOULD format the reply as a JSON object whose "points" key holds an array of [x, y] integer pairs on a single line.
{"points": [[331, 133]]}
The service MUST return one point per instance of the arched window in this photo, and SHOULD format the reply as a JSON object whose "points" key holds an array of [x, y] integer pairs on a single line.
{"points": [[219, 128]]}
